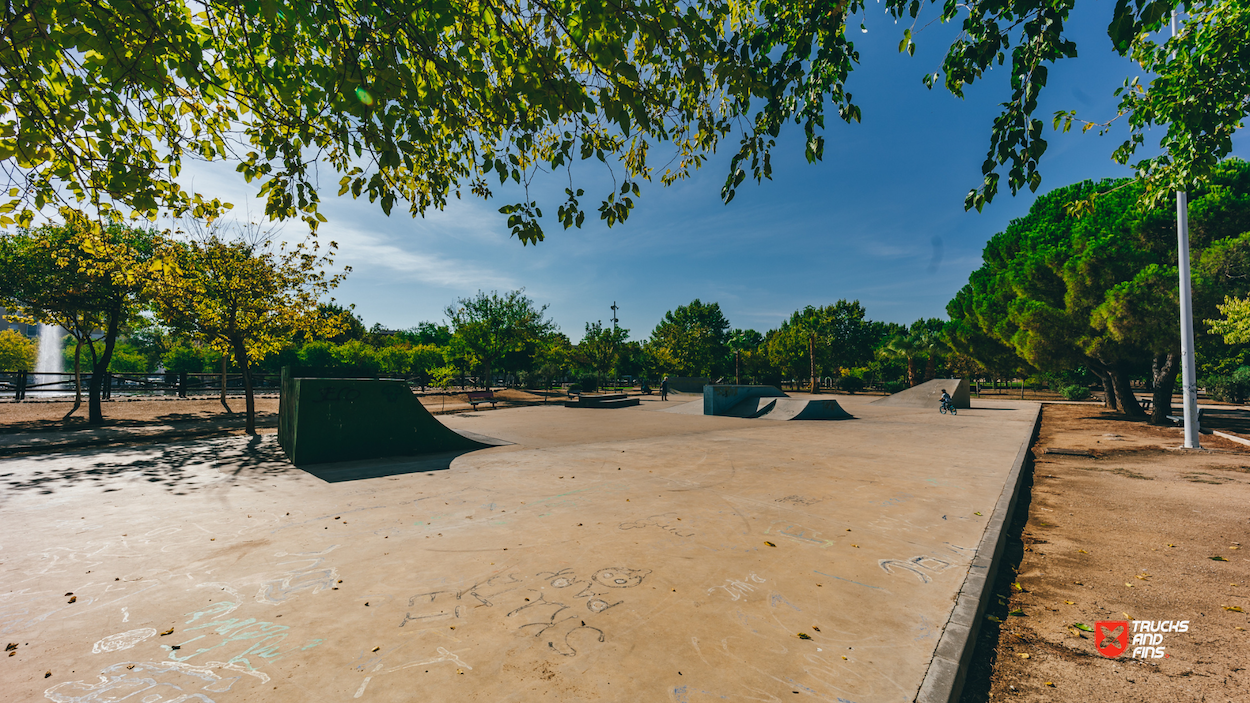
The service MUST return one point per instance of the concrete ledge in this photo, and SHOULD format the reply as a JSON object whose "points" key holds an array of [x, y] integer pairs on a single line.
{"points": [[944, 681]]}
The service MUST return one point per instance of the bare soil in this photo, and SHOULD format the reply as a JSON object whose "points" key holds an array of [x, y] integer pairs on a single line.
{"points": [[1137, 530]]}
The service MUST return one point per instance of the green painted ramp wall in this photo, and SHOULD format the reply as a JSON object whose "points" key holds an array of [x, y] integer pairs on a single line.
{"points": [[322, 420]]}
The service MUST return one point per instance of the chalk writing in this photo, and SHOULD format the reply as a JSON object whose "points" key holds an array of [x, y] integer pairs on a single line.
{"points": [[921, 566], [800, 533], [800, 500], [665, 521], [738, 589]]}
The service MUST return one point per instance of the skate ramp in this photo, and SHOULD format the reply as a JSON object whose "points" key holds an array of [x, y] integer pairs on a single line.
{"points": [[929, 394], [718, 400], [323, 420], [767, 408]]}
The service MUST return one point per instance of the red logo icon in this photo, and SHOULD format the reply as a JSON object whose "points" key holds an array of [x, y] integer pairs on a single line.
{"points": [[1111, 637]]}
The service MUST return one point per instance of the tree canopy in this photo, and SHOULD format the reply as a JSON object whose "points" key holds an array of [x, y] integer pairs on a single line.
{"points": [[488, 325], [693, 339], [411, 104], [1099, 290]]}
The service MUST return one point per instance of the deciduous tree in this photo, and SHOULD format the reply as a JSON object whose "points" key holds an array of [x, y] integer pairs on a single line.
{"points": [[489, 325], [245, 295], [87, 279]]}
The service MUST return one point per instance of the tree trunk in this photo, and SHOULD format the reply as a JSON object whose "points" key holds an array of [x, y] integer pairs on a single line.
{"points": [[223, 385], [929, 370], [240, 358], [738, 367], [1164, 381], [77, 381], [1108, 389], [811, 354], [911, 371], [95, 413], [1124, 393]]}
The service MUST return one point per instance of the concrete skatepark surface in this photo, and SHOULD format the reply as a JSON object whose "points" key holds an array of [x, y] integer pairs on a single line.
{"points": [[629, 556], [929, 394]]}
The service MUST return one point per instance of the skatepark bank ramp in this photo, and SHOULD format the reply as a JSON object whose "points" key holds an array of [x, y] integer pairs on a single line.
{"points": [[929, 394], [322, 420], [768, 403]]}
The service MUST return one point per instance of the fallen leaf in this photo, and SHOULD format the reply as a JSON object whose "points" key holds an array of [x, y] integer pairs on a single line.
{"points": [[1018, 613], [815, 628], [855, 546], [1023, 655], [1076, 632], [130, 666], [11, 646], [1082, 551], [73, 599], [376, 648], [1217, 558], [1070, 602], [1077, 583], [170, 631], [1234, 608], [1051, 684], [994, 618], [1143, 577], [47, 674], [844, 657], [1018, 587], [1171, 545], [770, 544], [976, 513], [69, 594], [1082, 626], [804, 636]]}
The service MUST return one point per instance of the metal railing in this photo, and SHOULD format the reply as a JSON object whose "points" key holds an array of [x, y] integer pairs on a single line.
{"points": [[25, 384]]}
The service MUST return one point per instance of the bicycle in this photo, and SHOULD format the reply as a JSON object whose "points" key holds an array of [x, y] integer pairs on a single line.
{"points": [[948, 407]]}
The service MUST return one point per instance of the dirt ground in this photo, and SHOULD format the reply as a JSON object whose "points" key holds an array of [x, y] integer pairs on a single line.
{"points": [[1138, 530], [49, 416]]}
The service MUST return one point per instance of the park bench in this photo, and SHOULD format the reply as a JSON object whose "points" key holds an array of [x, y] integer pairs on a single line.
{"points": [[476, 397]]}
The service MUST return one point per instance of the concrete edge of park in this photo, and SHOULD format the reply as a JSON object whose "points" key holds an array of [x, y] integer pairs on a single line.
{"points": [[944, 681]]}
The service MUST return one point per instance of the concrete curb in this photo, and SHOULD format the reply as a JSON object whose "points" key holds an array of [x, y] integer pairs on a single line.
{"points": [[944, 681]]}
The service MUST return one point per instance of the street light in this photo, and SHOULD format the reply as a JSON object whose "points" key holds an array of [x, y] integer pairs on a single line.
{"points": [[1189, 381]]}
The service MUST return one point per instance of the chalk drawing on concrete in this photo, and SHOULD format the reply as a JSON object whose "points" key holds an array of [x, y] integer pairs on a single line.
{"points": [[665, 521], [739, 588], [311, 576], [619, 577], [921, 566], [122, 640], [149, 682], [798, 533]]}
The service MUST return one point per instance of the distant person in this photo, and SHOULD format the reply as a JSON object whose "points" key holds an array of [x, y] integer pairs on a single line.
{"points": [[646, 388], [946, 399], [664, 389]]}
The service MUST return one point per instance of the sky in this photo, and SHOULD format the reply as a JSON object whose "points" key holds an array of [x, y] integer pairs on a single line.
{"points": [[879, 220]]}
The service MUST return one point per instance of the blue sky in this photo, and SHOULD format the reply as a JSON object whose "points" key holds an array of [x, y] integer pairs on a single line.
{"points": [[880, 219]]}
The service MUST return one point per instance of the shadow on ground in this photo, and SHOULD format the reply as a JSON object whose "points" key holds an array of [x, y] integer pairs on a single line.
{"points": [[379, 468], [179, 467]]}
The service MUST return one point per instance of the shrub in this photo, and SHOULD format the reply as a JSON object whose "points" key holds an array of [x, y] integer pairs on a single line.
{"points": [[1074, 392], [589, 383], [1233, 388], [574, 388], [893, 387], [851, 384]]}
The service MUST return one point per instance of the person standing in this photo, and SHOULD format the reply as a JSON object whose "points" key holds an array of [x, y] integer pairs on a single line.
{"points": [[664, 389]]}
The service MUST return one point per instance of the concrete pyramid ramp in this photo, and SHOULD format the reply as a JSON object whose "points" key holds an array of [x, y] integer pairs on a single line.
{"points": [[765, 408], [929, 394], [322, 420]]}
